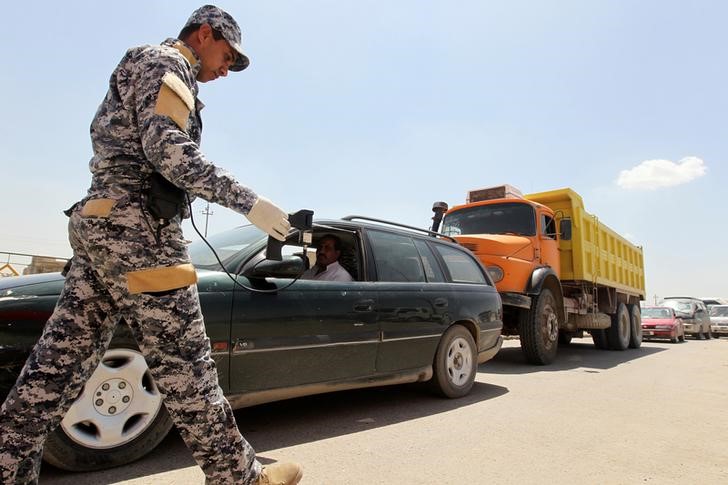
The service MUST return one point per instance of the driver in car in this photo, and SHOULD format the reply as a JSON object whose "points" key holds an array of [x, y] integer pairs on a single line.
{"points": [[327, 267]]}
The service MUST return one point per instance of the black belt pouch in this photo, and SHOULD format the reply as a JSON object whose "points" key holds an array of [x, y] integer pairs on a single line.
{"points": [[164, 199]]}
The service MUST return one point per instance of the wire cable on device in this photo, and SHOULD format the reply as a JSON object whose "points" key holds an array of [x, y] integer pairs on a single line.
{"points": [[235, 281]]}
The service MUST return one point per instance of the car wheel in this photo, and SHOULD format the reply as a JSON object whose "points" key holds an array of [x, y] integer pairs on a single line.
{"points": [[635, 320], [600, 339], [455, 363], [618, 335], [539, 329], [118, 417]]}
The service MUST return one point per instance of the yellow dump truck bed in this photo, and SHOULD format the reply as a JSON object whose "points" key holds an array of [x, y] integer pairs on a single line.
{"points": [[595, 252]]}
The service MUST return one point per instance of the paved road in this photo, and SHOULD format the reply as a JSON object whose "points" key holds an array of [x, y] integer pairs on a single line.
{"points": [[656, 415]]}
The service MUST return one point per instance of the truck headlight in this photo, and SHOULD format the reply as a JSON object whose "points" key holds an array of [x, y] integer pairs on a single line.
{"points": [[495, 272]]}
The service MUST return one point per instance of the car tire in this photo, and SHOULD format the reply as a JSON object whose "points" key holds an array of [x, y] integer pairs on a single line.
{"points": [[635, 331], [618, 335], [135, 422], [539, 329], [455, 364], [600, 339]]}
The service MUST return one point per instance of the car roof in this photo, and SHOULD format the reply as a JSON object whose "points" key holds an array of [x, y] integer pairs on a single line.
{"points": [[388, 226]]}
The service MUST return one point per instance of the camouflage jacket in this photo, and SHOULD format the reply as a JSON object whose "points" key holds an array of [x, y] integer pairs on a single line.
{"points": [[150, 120]]}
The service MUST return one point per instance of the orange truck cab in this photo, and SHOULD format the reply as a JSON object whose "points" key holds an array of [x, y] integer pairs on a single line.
{"points": [[559, 271]]}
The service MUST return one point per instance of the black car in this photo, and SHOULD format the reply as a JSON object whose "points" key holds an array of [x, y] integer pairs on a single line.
{"points": [[420, 308]]}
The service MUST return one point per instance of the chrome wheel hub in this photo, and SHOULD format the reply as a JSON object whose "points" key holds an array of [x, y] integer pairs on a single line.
{"points": [[119, 402], [460, 364]]}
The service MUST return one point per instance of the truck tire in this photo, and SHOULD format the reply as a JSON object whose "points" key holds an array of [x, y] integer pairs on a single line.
{"points": [[136, 425], [635, 319], [600, 339], [539, 329], [455, 363], [618, 334]]}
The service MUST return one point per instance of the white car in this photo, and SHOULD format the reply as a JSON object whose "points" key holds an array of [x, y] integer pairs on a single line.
{"points": [[719, 320]]}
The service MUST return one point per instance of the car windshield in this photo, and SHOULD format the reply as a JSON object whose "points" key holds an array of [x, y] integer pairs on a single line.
{"points": [[506, 218], [681, 306], [227, 244], [656, 313], [719, 311]]}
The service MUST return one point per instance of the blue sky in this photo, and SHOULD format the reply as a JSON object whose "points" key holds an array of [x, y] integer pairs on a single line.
{"points": [[380, 108]]}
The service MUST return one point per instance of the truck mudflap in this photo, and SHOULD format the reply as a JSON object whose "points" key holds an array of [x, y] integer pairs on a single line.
{"points": [[488, 354], [516, 299]]}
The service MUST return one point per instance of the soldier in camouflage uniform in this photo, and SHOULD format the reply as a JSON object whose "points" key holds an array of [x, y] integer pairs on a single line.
{"points": [[127, 264]]}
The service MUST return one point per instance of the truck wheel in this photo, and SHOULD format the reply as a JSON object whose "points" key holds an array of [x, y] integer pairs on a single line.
{"points": [[600, 339], [618, 334], [539, 329], [635, 320], [455, 363], [118, 417]]}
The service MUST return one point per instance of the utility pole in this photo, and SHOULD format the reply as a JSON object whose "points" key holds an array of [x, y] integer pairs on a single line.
{"points": [[207, 212]]}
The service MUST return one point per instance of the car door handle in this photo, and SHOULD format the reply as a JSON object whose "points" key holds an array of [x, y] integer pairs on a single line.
{"points": [[440, 303], [364, 306]]}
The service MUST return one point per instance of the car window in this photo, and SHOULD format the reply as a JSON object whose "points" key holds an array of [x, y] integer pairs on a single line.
{"points": [[227, 245], [656, 313], [432, 268], [719, 311], [681, 306], [396, 257], [462, 268]]}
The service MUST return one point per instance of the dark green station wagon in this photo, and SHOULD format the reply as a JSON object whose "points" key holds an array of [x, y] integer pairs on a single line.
{"points": [[420, 308]]}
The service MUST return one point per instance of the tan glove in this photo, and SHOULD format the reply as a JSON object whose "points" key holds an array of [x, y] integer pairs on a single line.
{"points": [[269, 218]]}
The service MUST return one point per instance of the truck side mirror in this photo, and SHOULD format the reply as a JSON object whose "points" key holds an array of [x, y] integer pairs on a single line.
{"points": [[566, 229]]}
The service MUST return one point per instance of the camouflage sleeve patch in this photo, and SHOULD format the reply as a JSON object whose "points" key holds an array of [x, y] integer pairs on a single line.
{"points": [[175, 100], [98, 208]]}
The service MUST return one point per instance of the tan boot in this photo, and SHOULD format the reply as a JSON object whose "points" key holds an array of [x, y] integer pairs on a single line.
{"points": [[280, 474]]}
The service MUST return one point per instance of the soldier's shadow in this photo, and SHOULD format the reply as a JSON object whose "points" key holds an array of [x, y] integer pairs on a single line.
{"points": [[288, 423]]}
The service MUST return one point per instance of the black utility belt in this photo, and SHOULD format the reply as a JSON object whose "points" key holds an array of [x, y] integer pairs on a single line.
{"points": [[164, 200]]}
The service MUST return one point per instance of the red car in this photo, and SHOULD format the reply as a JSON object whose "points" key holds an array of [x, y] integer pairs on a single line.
{"points": [[661, 322]]}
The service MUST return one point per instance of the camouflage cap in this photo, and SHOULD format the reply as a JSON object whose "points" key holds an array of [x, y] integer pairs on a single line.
{"points": [[224, 23]]}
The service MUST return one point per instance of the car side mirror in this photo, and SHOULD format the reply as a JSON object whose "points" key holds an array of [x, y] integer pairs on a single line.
{"points": [[565, 226], [288, 267]]}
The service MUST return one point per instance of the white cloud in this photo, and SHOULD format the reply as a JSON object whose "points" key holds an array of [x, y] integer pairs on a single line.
{"points": [[656, 174]]}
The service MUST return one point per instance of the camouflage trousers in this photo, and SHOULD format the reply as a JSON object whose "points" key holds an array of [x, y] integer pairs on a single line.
{"points": [[112, 241]]}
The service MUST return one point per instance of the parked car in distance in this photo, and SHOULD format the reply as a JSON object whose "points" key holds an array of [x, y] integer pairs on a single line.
{"points": [[692, 312], [713, 300], [419, 309], [719, 320], [660, 322]]}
